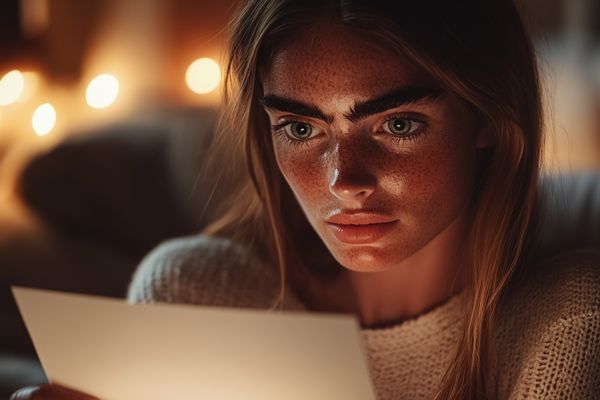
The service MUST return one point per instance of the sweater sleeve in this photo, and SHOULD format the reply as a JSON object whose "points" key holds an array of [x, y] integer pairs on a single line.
{"points": [[203, 270]]}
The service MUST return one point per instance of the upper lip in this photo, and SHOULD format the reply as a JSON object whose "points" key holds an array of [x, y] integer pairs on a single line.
{"points": [[358, 218]]}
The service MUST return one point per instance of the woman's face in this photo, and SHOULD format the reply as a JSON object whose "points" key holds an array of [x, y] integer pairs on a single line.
{"points": [[380, 161]]}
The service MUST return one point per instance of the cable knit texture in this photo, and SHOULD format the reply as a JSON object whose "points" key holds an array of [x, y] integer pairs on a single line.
{"points": [[548, 332]]}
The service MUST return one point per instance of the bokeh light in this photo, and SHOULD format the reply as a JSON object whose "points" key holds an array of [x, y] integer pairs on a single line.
{"points": [[11, 87], [44, 119], [32, 81], [203, 75], [102, 91]]}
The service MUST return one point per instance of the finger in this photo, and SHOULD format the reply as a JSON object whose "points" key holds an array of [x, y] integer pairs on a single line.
{"points": [[49, 392], [70, 394], [33, 392], [24, 393]]}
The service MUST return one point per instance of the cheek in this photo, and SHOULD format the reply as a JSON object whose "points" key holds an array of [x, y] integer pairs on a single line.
{"points": [[426, 189], [432, 184], [305, 173]]}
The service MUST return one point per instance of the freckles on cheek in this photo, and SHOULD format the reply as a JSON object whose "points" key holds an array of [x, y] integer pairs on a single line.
{"points": [[431, 184], [303, 172]]}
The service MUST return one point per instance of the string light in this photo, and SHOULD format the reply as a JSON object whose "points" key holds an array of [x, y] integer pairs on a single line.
{"points": [[11, 87], [203, 75], [44, 119], [102, 91]]}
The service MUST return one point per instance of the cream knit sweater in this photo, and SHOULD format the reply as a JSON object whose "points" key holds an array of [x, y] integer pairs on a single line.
{"points": [[548, 335]]}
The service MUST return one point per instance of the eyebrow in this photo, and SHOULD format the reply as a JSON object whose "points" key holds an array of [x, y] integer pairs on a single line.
{"points": [[392, 99]]}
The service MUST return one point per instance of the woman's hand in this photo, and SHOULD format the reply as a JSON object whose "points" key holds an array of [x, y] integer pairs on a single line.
{"points": [[49, 392]]}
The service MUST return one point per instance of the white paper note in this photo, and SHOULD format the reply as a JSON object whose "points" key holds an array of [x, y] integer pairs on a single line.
{"points": [[117, 351]]}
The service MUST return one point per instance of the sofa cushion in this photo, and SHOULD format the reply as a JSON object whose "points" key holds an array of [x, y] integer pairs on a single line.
{"points": [[129, 185]]}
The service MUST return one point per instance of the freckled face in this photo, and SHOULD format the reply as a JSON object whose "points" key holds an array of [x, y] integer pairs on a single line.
{"points": [[379, 162]]}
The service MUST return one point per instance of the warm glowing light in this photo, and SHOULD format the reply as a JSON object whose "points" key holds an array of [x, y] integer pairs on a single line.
{"points": [[32, 81], [11, 87], [102, 91], [44, 119], [203, 75]]}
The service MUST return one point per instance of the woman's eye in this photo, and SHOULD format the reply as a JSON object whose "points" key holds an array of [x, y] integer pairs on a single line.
{"points": [[298, 130], [401, 126]]}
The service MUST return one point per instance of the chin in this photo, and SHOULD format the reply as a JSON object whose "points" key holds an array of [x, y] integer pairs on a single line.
{"points": [[364, 259]]}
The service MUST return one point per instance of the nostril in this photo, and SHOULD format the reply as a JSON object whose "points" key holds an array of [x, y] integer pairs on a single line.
{"points": [[351, 185]]}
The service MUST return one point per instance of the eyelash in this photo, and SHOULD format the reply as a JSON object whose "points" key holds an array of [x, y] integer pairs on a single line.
{"points": [[278, 129], [411, 136]]}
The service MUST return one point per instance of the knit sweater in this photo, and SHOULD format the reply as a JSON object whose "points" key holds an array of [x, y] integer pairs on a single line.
{"points": [[548, 332]]}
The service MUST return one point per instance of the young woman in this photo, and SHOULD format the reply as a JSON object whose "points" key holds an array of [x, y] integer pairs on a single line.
{"points": [[393, 153]]}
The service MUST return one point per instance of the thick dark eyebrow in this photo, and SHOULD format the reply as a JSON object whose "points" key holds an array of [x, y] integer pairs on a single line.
{"points": [[392, 99], [295, 107]]}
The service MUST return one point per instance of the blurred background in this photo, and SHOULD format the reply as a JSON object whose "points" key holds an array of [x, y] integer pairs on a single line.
{"points": [[106, 110]]}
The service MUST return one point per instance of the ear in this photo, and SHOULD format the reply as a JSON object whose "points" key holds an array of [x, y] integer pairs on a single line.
{"points": [[483, 137]]}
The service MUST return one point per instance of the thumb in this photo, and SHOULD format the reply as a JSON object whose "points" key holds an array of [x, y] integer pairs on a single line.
{"points": [[49, 392]]}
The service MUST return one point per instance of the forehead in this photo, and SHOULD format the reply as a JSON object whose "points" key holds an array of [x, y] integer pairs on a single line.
{"points": [[332, 63]]}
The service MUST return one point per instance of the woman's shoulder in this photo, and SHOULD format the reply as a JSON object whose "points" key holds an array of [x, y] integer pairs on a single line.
{"points": [[204, 270], [549, 331], [562, 287], [571, 279]]}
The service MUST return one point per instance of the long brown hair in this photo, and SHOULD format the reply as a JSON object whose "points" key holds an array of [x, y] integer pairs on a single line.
{"points": [[476, 50]]}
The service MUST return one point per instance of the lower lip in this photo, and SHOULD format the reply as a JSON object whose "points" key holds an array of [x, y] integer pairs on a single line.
{"points": [[361, 234]]}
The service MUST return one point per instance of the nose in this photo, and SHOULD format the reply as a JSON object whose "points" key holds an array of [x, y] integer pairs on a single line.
{"points": [[350, 177]]}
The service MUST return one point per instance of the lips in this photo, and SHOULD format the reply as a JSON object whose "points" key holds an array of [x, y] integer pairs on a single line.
{"points": [[360, 228]]}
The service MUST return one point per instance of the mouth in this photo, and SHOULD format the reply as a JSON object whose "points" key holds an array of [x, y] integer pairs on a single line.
{"points": [[360, 228]]}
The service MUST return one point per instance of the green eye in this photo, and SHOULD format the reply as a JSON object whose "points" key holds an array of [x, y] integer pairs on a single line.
{"points": [[299, 130], [401, 126]]}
